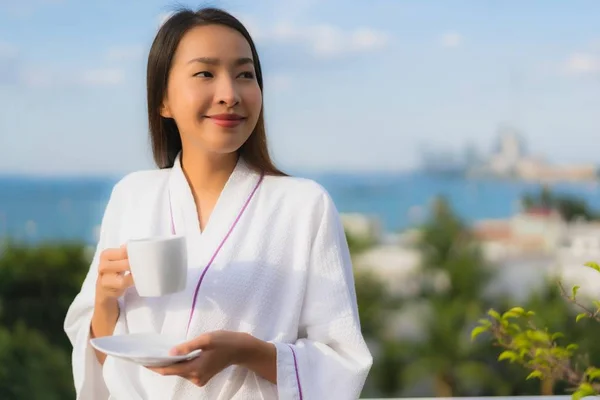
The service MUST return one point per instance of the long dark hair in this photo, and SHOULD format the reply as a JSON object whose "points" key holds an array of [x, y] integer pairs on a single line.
{"points": [[164, 134]]}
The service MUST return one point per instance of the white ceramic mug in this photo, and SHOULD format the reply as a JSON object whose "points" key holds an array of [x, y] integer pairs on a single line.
{"points": [[158, 265]]}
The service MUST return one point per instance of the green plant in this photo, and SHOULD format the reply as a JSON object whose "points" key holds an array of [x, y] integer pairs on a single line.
{"points": [[547, 355]]}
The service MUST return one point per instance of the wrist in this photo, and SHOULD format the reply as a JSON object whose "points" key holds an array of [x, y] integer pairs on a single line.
{"points": [[259, 356], [104, 317], [254, 350], [106, 302]]}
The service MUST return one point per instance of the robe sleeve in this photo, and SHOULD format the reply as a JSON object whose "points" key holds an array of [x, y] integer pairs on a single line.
{"points": [[87, 371], [330, 359]]}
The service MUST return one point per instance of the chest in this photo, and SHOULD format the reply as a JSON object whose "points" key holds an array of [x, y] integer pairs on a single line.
{"points": [[251, 278], [254, 276]]}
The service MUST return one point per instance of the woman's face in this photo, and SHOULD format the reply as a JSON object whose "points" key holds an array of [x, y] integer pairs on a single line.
{"points": [[212, 92]]}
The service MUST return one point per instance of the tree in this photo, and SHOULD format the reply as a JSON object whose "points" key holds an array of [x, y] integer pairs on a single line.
{"points": [[569, 207], [31, 367], [375, 305], [37, 285], [451, 252]]}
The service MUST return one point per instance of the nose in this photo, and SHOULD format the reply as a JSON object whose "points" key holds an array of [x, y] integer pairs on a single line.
{"points": [[227, 93]]}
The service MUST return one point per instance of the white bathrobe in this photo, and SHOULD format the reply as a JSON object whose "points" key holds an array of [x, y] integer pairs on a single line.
{"points": [[283, 275]]}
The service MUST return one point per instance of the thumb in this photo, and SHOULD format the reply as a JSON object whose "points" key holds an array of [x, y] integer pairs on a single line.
{"points": [[201, 342]]}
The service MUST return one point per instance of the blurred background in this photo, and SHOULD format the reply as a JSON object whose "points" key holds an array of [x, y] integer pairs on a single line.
{"points": [[459, 140]]}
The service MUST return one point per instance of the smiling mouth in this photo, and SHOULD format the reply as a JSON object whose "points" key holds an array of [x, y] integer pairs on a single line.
{"points": [[226, 117], [226, 120]]}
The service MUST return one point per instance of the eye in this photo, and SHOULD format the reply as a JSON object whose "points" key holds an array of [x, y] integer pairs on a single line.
{"points": [[247, 75], [204, 74]]}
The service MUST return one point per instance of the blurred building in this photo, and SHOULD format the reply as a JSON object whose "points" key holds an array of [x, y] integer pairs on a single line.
{"points": [[531, 232], [580, 244], [362, 227], [510, 159]]}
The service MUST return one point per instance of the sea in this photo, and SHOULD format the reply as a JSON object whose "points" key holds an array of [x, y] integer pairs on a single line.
{"points": [[35, 209]]}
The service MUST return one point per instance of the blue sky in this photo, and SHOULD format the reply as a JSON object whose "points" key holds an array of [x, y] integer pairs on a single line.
{"points": [[350, 85]]}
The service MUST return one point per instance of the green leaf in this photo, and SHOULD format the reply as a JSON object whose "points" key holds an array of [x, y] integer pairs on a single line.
{"points": [[522, 341], [557, 335], [514, 328], [510, 314], [530, 313], [508, 355], [517, 310], [478, 331], [581, 316], [494, 314], [485, 322], [559, 352], [585, 389], [593, 265], [592, 373], [575, 289], [572, 347], [535, 374], [539, 352], [596, 303], [523, 353], [538, 336]]}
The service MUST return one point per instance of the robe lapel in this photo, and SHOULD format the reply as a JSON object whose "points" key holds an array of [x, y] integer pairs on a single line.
{"points": [[202, 245], [184, 216]]}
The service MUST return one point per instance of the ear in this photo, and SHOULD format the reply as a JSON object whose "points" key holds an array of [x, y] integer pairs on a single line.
{"points": [[165, 111]]}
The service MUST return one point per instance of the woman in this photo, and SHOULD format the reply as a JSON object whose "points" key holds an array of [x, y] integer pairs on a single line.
{"points": [[270, 299]]}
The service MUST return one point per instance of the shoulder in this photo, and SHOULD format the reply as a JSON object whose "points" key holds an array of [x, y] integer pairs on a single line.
{"points": [[295, 187], [132, 192], [299, 194], [139, 183]]}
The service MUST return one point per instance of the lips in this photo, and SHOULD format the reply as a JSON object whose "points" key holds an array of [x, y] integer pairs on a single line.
{"points": [[226, 117], [226, 120]]}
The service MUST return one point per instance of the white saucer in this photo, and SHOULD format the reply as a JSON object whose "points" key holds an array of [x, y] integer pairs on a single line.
{"points": [[147, 349]]}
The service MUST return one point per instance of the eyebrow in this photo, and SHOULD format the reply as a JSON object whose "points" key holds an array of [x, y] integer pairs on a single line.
{"points": [[216, 61]]}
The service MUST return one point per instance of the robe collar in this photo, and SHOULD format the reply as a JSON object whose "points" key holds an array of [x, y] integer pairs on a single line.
{"points": [[183, 209]]}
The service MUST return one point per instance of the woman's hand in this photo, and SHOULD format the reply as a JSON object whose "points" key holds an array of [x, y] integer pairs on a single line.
{"points": [[221, 349], [114, 276], [110, 285]]}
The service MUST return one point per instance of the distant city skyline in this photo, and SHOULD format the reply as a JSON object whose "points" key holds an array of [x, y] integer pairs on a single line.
{"points": [[357, 90]]}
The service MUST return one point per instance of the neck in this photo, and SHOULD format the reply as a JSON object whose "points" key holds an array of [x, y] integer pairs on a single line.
{"points": [[207, 173]]}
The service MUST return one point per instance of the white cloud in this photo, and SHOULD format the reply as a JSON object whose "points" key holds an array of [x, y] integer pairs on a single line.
{"points": [[367, 38], [37, 78], [451, 39], [582, 63], [48, 77], [15, 71], [323, 40], [328, 40]]}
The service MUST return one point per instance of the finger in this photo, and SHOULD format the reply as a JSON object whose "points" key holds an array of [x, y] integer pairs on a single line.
{"points": [[114, 254], [116, 281], [114, 266], [185, 369], [202, 342]]}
